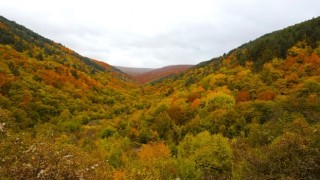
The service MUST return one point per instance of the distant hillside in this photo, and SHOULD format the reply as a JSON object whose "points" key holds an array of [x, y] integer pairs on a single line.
{"points": [[134, 71], [160, 73], [146, 75]]}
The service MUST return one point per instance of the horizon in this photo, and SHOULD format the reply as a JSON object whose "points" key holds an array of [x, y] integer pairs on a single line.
{"points": [[153, 68]]}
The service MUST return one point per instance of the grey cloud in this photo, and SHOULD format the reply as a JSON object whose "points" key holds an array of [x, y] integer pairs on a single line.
{"points": [[184, 39]]}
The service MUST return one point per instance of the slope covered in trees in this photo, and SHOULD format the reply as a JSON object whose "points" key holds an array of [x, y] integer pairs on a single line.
{"points": [[134, 71], [250, 114], [50, 96], [146, 75], [160, 73]]}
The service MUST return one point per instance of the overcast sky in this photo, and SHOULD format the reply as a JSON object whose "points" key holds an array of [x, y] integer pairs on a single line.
{"points": [[156, 33]]}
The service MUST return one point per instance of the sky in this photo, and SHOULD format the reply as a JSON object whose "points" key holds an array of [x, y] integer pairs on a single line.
{"points": [[156, 33]]}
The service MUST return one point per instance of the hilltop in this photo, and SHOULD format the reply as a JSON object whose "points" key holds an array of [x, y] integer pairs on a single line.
{"points": [[134, 71], [147, 75]]}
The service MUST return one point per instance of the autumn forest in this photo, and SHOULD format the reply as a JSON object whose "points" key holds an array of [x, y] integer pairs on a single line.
{"points": [[252, 113]]}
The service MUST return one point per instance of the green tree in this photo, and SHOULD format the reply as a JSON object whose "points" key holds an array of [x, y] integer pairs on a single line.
{"points": [[163, 125], [220, 100], [212, 154]]}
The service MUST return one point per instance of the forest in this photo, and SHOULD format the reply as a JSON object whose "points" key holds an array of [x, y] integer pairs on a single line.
{"points": [[253, 113]]}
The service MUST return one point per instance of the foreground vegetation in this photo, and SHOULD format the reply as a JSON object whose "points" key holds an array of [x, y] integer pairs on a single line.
{"points": [[250, 114]]}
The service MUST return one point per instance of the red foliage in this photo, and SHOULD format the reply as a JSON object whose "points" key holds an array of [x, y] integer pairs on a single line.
{"points": [[242, 96], [267, 96], [161, 72], [193, 96], [176, 113], [195, 103]]}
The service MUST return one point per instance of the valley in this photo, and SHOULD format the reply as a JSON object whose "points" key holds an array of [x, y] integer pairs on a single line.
{"points": [[252, 113]]}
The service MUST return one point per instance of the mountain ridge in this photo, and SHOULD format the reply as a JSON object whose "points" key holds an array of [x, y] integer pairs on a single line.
{"points": [[147, 75], [133, 71], [10, 30]]}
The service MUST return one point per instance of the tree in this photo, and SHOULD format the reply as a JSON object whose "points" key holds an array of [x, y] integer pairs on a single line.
{"points": [[151, 153], [177, 114], [39, 57], [163, 124], [220, 100], [155, 162], [19, 46], [243, 95], [212, 154]]}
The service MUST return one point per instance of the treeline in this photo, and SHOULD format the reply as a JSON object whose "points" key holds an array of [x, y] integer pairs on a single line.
{"points": [[25, 40], [276, 44]]}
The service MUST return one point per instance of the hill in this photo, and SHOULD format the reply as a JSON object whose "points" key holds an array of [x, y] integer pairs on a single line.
{"points": [[252, 113], [48, 92], [134, 71], [160, 73], [147, 75], [34, 68], [262, 96]]}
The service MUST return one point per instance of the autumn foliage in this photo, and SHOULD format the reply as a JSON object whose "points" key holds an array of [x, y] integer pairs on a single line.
{"points": [[252, 113]]}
